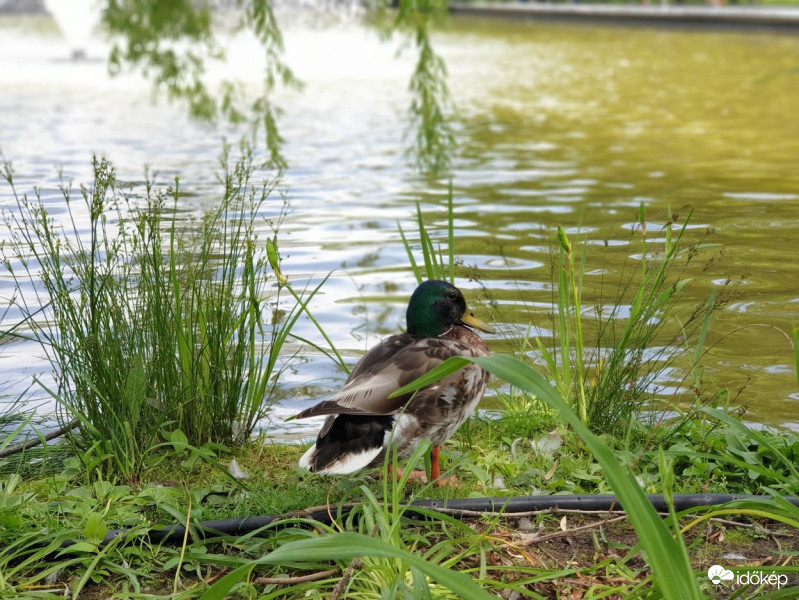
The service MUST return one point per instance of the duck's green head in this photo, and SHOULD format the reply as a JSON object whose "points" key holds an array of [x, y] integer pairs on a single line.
{"points": [[435, 306]]}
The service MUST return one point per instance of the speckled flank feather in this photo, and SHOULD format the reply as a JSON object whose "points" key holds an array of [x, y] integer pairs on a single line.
{"points": [[361, 418]]}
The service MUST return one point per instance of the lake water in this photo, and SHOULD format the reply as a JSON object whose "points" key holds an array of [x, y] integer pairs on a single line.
{"points": [[556, 124]]}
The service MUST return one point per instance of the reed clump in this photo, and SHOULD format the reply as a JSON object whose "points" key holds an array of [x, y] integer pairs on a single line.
{"points": [[610, 356], [157, 329]]}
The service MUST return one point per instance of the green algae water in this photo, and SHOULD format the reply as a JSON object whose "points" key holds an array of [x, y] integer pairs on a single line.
{"points": [[564, 125]]}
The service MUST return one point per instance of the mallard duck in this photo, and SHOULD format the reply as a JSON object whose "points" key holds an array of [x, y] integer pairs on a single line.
{"points": [[362, 418]]}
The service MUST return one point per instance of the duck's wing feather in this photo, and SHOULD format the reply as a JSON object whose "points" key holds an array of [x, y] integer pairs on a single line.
{"points": [[395, 362], [380, 353]]}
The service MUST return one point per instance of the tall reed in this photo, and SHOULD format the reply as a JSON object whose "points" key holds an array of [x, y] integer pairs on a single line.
{"points": [[152, 325]]}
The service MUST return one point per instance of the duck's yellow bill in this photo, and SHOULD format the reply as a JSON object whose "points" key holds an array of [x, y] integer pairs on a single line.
{"points": [[469, 319]]}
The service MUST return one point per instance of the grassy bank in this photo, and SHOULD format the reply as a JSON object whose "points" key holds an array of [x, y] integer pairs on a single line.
{"points": [[535, 555], [151, 329]]}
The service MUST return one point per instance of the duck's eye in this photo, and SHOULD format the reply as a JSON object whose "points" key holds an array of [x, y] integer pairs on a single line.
{"points": [[451, 294]]}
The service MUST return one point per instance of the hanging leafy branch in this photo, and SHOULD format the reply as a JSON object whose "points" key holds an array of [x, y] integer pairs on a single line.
{"points": [[147, 33], [172, 42], [434, 141]]}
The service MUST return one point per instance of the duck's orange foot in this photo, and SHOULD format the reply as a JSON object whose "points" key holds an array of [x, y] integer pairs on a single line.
{"points": [[451, 480], [421, 476]]}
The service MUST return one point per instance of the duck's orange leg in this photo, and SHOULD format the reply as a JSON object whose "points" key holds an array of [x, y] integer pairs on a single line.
{"points": [[435, 471]]}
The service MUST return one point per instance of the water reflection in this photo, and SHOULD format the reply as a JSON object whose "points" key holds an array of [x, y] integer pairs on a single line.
{"points": [[558, 125]]}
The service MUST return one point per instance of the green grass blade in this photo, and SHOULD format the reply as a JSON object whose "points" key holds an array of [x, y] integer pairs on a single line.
{"points": [[428, 252], [552, 365], [667, 556], [414, 267], [789, 593], [344, 546], [700, 343], [451, 236]]}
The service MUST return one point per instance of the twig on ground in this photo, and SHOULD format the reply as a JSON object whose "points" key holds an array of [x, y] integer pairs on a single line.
{"points": [[342, 584], [297, 578]]}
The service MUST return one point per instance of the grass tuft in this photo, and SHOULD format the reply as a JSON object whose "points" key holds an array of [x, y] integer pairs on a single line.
{"points": [[155, 327], [606, 358]]}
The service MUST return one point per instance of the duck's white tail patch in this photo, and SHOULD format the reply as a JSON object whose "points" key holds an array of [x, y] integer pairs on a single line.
{"points": [[305, 461], [347, 463]]}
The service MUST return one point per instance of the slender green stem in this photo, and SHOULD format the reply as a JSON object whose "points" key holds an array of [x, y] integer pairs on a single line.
{"points": [[566, 247], [451, 235]]}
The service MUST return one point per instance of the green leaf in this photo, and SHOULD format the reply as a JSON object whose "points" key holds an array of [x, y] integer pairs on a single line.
{"points": [[414, 267], [548, 358], [763, 441], [666, 555], [345, 546], [564, 240], [79, 547], [95, 529], [177, 437]]}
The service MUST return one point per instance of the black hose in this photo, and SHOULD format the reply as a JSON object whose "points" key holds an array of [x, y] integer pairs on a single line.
{"points": [[175, 534], [583, 502]]}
